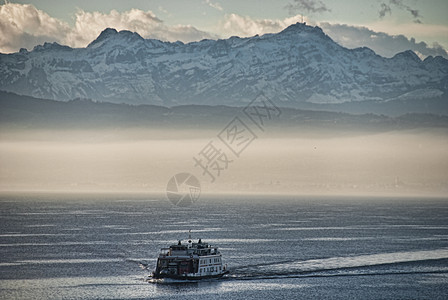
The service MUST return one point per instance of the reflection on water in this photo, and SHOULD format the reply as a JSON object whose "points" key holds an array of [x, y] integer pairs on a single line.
{"points": [[384, 248]]}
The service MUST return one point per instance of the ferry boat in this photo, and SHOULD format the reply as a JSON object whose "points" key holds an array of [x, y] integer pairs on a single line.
{"points": [[189, 261]]}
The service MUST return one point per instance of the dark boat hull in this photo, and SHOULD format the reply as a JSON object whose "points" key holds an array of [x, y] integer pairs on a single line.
{"points": [[188, 278]]}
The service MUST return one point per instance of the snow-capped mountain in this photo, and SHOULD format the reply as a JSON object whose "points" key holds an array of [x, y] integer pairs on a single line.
{"points": [[300, 64]]}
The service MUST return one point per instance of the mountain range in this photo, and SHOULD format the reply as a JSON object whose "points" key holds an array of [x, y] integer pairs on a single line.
{"points": [[18, 112], [298, 67]]}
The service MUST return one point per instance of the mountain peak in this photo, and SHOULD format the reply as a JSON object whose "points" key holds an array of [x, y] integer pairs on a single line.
{"points": [[104, 35], [109, 33], [302, 27], [408, 54], [49, 46]]}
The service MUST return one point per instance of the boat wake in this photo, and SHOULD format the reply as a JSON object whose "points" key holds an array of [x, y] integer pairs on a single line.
{"points": [[361, 265]]}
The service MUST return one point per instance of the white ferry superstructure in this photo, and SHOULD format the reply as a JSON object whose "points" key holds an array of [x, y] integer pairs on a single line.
{"points": [[189, 261]]}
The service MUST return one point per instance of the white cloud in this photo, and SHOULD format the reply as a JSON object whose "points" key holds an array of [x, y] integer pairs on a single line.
{"points": [[382, 43], [244, 26], [163, 10], [434, 32], [24, 26], [89, 25], [310, 6], [214, 5], [347, 35]]}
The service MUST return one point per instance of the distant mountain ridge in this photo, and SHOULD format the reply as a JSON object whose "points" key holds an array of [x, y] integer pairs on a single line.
{"points": [[298, 66], [25, 112]]}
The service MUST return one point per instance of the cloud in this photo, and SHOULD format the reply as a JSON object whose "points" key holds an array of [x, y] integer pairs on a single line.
{"points": [[244, 26], [88, 26], [386, 9], [310, 6], [163, 9], [214, 5], [382, 43], [433, 32], [25, 26], [348, 36]]}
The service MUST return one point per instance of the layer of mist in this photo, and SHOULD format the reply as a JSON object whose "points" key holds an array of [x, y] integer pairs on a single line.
{"points": [[302, 162], [84, 145]]}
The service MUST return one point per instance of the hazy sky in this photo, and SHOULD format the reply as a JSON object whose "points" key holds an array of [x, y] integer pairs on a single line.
{"points": [[386, 26]]}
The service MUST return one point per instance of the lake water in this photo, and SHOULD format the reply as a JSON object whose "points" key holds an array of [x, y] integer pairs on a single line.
{"points": [[103, 246]]}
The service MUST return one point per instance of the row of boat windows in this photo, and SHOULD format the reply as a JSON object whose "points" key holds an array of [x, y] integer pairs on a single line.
{"points": [[210, 269], [209, 260]]}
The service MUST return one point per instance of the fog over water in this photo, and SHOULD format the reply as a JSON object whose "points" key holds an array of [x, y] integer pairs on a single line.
{"points": [[297, 161], [317, 205]]}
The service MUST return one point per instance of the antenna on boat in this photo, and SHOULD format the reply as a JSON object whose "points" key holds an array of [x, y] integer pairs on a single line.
{"points": [[189, 236]]}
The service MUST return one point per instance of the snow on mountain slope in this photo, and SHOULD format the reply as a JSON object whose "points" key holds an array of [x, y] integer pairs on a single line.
{"points": [[299, 64]]}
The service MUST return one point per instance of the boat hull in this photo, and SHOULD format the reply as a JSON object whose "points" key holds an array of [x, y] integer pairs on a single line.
{"points": [[187, 278]]}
